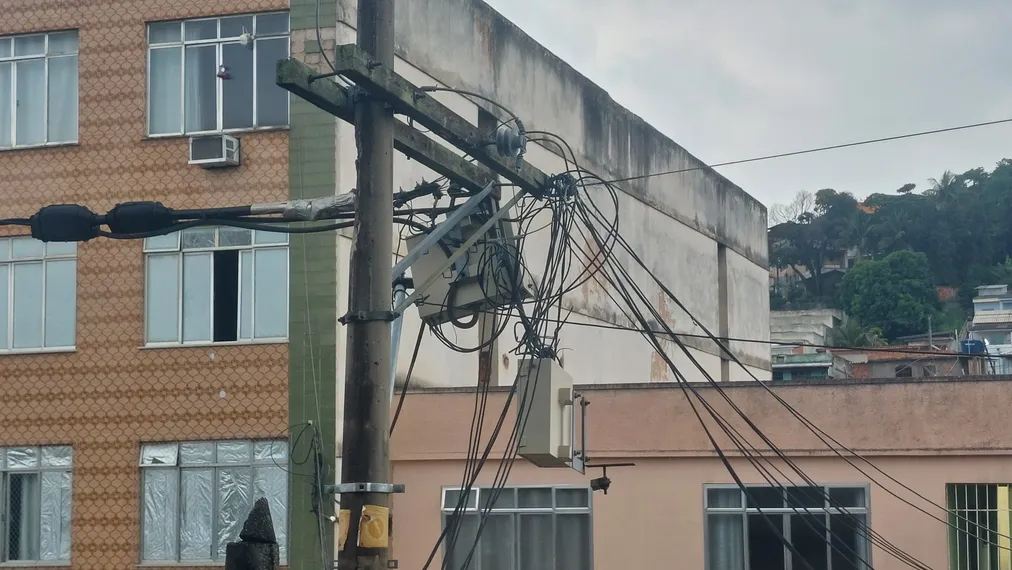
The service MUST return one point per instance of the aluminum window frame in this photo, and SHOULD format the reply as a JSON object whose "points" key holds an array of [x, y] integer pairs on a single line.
{"points": [[10, 262], [218, 42], [13, 60], [4, 506], [180, 252], [515, 513], [785, 512], [214, 466]]}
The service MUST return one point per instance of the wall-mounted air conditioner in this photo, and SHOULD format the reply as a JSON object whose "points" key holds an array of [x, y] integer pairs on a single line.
{"points": [[214, 151]]}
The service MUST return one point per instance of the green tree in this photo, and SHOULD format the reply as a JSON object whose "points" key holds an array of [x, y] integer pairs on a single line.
{"points": [[853, 334], [894, 294]]}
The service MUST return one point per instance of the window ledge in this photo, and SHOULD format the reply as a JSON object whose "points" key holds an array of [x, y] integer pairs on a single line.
{"points": [[28, 351], [37, 147], [36, 564], [162, 345], [214, 133]]}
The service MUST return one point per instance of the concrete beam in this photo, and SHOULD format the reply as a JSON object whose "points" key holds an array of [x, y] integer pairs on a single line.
{"points": [[406, 98], [294, 76]]}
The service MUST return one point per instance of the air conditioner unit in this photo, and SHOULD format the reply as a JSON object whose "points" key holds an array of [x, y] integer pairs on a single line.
{"points": [[214, 151]]}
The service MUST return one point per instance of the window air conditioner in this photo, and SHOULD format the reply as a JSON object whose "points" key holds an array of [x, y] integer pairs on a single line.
{"points": [[214, 151]]}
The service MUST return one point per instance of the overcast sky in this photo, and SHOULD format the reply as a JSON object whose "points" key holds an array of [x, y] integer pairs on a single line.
{"points": [[733, 79]]}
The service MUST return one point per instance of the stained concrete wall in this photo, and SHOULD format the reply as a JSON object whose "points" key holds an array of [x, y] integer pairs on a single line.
{"points": [[674, 222]]}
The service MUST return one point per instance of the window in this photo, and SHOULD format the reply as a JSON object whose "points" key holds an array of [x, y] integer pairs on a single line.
{"points": [[216, 285], [196, 496], [528, 527], [979, 515], [216, 74], [738, 538], [35, 501], [903, 371], [38, 295], [38, 89], [996, 338]]}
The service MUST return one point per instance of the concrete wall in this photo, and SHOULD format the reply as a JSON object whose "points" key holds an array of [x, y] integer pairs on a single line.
{"points": [[654, 427], [812, 326], [674, 222]]}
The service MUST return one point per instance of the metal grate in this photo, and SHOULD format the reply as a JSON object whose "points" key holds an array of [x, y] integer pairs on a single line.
{"points": [[980, 519]]}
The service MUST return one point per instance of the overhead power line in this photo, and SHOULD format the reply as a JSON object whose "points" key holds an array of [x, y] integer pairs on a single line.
{"points": [[805, 151]]}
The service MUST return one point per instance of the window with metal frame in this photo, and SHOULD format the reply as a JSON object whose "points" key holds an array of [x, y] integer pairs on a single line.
{"points": [[528, 528], [216, 74], [195, 496], [825, 525], [35, 498], [208, 284], [38, 295], [980, 519], [38, 89]]}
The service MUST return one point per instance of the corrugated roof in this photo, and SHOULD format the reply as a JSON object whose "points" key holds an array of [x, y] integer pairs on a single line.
{"points": [[992, 317]]}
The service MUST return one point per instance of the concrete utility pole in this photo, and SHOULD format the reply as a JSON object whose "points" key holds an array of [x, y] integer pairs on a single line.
{"points": [[365, 458]]}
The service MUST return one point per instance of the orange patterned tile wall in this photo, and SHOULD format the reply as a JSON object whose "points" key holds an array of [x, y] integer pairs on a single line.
{"points": [[110, 395]]}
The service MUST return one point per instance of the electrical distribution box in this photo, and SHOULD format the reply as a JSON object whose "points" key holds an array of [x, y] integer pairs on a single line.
{"points": [[489, 275], [546, 393]]}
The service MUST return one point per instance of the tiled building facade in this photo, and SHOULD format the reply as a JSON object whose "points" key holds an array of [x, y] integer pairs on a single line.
{"points": [[104, 394]]}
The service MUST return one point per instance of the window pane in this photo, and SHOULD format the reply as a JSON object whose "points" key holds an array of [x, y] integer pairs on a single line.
{"points": [[6, 104], [498, 544], [765, 497], [535, 497], [63, 99], [237, 94], [228, 237], [22, 458], [272, 24], [270, 298], [162, 32], [162, 298], [806, 497], [23, 516], [195, 506], [505, 500], [569, 498], [234, 452], [166, 242], [160, 495], [31, 102], [196, 453], [452, 497], [271, 452], [54, 535], [467, 532], [165, 92], [5, 47], [201, 82], [28, 305], [60, 248], [808, 536], [4, 305], [200, 30], [725, 542], [234, 487], [61, 302], [57, 456], [537, 549], [261, 237], [30, 45], [27, 248], [246, 295], [846, 497], [272, 101], [849, 544], [272, 483], [62, 43], [765, 546], [723, 498], [197, 238], [159, 454], [572, 542], [197, 297], [234, 26]]}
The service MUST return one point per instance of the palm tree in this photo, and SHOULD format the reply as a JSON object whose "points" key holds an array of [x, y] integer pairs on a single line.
{"points": [[853, 334]]}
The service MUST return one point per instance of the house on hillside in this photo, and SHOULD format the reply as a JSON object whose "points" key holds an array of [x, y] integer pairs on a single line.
{"points": [[992, 325]]}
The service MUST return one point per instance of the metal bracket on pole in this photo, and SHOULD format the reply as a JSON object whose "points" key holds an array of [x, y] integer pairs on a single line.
{"points": [[384, 488], [433, 237], [464, 247]]}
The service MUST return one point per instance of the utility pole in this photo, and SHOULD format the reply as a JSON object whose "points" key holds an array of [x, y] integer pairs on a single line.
{"points": [[365, 459]]}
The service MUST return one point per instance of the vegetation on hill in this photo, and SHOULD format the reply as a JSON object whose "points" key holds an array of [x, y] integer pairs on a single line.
{"points": [[957, 232]]}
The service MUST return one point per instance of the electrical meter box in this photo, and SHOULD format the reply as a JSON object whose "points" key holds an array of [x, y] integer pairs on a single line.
{"points": [[545, 391], [487, 276]]}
